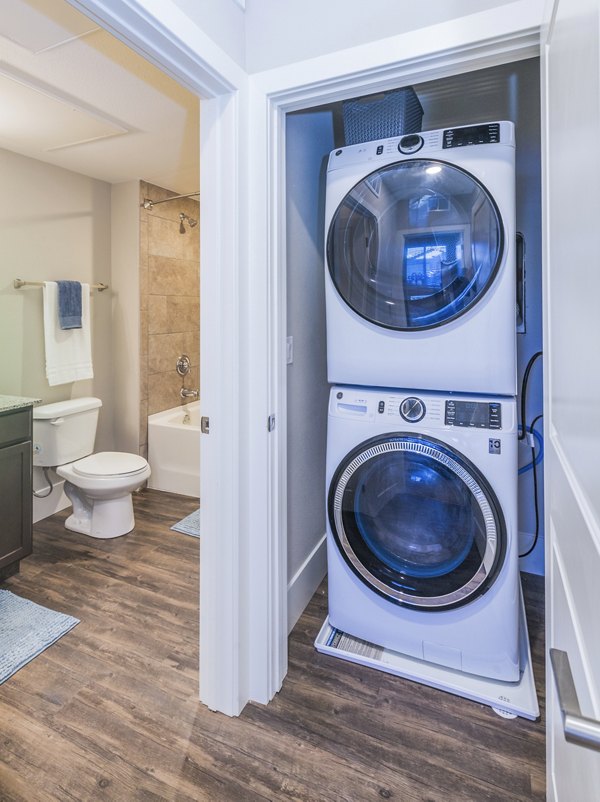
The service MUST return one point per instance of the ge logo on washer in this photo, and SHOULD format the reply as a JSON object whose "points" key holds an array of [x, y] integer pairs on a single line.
{"points": [[495, 446]]}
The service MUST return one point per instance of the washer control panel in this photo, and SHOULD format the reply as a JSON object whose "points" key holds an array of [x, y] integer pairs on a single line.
{"points": [[473, 414], [390, 409]]}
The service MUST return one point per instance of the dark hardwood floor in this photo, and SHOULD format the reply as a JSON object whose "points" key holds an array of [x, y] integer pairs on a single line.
{"points": [[110, 711]]}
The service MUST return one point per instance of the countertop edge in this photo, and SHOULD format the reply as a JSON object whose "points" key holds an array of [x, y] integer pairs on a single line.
{"points": [[10, 403]]}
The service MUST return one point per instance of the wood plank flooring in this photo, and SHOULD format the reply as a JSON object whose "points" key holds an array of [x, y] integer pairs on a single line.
{"points": [[110, 711]]}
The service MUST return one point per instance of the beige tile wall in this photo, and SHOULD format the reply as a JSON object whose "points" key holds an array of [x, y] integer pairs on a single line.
{"points": [[169, 302]]}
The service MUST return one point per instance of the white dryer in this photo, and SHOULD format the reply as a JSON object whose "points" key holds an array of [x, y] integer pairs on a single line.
{"points": [[422, 526], [420, 261]]}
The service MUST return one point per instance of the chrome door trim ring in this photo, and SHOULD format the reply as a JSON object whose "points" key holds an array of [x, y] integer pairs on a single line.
{"points": [[406, 442], [500, 259]]}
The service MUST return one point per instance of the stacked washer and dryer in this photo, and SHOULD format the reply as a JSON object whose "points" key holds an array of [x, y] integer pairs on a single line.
{"points": [[422, 430]]}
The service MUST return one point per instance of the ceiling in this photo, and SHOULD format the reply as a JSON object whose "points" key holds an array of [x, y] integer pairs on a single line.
{"points": [[74, 96]]}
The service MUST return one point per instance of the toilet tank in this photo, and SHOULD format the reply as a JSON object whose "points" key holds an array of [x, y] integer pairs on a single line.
{"points": [[64, 431]]}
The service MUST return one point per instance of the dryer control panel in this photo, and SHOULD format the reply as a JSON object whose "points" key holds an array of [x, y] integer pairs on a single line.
{"points": [[472, 135], [425, 144]]}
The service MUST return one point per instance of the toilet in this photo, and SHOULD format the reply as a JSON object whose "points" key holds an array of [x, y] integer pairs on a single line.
{"points": [[98, 485]]}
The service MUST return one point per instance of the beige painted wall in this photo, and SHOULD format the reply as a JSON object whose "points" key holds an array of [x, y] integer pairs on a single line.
{"points": [[125, 255], [169, 302], [54, 224]]}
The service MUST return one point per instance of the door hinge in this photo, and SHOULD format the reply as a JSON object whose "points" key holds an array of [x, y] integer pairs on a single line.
{"points": [[205, 425], [271, 423]]}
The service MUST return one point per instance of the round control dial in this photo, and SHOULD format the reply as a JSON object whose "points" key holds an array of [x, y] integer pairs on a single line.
{"points": [[410, 143], [412, 409]]}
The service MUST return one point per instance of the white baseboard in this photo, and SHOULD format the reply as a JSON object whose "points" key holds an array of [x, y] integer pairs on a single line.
{"points": [[56, 501], [306, 580]]}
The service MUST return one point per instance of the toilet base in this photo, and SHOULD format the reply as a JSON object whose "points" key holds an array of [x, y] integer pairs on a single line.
{"points": [[99, 518]]}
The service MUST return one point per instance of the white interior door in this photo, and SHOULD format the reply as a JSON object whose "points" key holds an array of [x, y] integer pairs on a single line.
{"points": [[572, 374]]}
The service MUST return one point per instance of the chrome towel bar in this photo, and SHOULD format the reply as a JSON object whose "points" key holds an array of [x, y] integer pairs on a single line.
{"points": [[19, 282]]}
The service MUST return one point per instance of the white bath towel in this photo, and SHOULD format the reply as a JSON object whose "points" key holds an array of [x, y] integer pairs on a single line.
{"points": [[68, 351]]}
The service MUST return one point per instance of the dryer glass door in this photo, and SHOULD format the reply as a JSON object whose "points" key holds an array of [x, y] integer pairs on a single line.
{"points": [[415, 245], [417, 522]]}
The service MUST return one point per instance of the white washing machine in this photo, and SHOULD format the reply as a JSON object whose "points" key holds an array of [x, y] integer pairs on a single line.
{"points": [[420, 261], [422, 526]]}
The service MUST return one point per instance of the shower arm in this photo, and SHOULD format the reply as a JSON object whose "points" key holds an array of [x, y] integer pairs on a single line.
{"points": [[148, 203]]}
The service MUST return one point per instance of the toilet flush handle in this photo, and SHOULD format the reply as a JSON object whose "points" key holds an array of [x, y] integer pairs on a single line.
{"points": [[57, 421]]}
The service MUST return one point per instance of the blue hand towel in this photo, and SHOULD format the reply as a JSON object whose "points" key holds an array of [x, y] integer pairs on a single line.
{"points": [[69, 304]]}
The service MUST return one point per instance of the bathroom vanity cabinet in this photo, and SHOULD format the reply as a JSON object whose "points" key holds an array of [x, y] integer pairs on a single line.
{"points": [[16, 499]]}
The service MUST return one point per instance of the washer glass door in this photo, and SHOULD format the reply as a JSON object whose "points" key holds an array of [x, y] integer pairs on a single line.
{"points": [[417, 522], [415, 245]]}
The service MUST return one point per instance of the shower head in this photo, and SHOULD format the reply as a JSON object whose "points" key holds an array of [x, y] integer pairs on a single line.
{"points": [[190, 220]]}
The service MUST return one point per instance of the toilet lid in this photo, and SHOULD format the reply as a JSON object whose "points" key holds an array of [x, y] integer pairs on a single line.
{"points": [[110, 463]]}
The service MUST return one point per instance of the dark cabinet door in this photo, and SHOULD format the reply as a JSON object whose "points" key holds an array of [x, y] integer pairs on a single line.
{"points": [[15, 503]]}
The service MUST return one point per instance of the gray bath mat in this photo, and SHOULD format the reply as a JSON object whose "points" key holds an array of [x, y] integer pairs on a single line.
{"points": [[190, 525], [26, 629]]}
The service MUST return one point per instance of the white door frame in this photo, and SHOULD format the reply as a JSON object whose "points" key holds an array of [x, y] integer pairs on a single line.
{"points": [[570, 78], [165, 36], [359, 71], [243, 599]]}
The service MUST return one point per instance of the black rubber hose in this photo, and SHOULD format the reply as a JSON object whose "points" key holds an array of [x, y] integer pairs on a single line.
{"points": [[524, 383], [535, 496]]}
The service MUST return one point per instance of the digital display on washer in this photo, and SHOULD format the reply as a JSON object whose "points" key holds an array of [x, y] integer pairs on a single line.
{"points": [[471, 135], [475, 414]]}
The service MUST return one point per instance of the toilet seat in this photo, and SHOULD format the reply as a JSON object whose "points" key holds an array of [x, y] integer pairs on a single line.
{"points": [[110, 463]]}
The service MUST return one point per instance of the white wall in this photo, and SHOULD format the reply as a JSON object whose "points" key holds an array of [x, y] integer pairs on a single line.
{"points": [[284, 32], [309, 138], [54, 224], [222, 20]]}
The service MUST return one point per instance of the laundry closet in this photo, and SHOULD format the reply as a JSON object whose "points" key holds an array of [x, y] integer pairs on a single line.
{"points": [[503, 93]]}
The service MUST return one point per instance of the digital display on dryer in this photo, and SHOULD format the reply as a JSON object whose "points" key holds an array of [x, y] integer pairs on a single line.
{"points": [[472, 135], [473, 414]]}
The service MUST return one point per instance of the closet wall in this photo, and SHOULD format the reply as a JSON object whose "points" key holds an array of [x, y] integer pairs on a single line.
{"points": [[507, 92], [309, 138]]}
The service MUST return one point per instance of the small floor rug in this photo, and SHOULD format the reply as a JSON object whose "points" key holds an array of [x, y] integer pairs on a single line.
{"points": [[190, 525], [26, 629]]}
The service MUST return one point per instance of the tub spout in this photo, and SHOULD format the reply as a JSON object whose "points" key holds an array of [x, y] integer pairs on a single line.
{"points": [[189, 393]]}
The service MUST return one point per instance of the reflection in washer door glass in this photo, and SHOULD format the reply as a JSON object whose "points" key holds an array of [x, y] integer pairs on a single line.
{"points": [[419, 251]]}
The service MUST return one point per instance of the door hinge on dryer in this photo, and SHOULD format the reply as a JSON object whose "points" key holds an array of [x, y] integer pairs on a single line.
{"points": [[271, 423]]}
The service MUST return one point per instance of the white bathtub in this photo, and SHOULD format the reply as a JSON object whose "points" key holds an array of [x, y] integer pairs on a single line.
{"points": [[174, 449]]}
